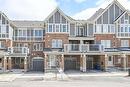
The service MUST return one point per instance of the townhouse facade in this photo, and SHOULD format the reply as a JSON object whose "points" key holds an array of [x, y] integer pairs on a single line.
{"points": [[100, 43]]}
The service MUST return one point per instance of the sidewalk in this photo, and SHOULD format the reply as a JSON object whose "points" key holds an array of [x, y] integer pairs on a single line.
{"points": [[8, 77], [96, 74]]}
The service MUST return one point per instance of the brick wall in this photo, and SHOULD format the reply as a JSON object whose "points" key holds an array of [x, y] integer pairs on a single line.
{"points": [[49, 37], [112, 37]]}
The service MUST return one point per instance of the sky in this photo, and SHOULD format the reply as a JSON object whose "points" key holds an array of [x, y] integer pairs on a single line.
{"points": [[40, 9]]}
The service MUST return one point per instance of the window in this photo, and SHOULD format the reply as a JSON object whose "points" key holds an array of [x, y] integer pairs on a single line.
{"points": [[122, 29], [56, 43], [37, 47], [50, 28], [124, 43], [105, 28], [57, 27], [3, 29], [129, 29], [126, 29], [110, 58], [98, 30], [106, 43], [38, 32], [2, 44], [64, 28], [7, 29]]}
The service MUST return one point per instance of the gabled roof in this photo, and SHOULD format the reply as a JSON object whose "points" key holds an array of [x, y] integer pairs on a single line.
{"points": [[28, 23], [62, 13], [119, 16], [97, 13], [101, 11]]}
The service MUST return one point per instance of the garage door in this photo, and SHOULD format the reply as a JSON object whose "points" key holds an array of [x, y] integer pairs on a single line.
{"points": [[70, 64], [38, 65]]}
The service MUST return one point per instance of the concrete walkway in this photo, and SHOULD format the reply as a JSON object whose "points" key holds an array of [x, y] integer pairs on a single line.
{"points": [[95, 73], [6, 77]]}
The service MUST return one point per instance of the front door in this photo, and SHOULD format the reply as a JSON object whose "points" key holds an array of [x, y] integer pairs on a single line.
{"points": [[0, 63], [110, 61], [89, 63], [53, 62]]}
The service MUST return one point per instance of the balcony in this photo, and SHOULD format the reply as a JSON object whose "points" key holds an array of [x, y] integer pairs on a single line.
{"points": [[119, 49], [83, 48], [18, 51], [28, 38]]}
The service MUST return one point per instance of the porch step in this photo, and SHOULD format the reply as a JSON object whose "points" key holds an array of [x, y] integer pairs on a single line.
{"points": [[51, 70], [50, 76]]}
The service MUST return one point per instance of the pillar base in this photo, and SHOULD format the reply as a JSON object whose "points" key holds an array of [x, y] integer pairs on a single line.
{"points": [[81, 68], [84, 70]]}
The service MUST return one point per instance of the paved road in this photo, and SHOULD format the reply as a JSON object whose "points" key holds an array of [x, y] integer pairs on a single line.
{"points": [[73, 82]]}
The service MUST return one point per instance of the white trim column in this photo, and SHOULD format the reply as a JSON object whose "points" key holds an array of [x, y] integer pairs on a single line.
{"points": [[10, 63], [124, 62], [62, 62], [81, 62], [25, 64], [5, 63], [106, 62], [84, 63]]}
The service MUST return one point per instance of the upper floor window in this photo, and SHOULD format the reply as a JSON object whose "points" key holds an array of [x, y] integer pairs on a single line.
{"points": [[124, 43], [38, 32], [105, 28], [106, 43], [64, 28], [57, 28], [50, 27], [37, 47], [2, 44], [56, 43]]}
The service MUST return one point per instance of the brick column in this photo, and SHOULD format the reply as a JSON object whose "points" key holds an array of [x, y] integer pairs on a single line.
{"points": [[5, 63], [45, 62], [25, 64], [84, 63], [81, 63], [62, 62], [10, 63]]}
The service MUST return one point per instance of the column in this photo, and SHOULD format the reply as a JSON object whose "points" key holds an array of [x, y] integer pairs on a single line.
{"points": [[45, 62], [5, 63], [10, 63], [62, 62], [124, 62], [81, 41], [106, 62], [81, 62], [25, 64], [84, 63]]}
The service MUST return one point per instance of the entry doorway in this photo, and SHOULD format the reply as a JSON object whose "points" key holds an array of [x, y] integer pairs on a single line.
{"points": [[17, 62], [89, 63], [110, 61], [0, 63], [53, 62]]}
